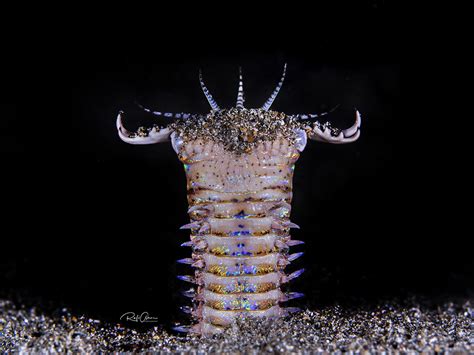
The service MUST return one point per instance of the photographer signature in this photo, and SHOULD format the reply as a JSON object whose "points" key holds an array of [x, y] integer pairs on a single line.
{"points": [[139, 318]]}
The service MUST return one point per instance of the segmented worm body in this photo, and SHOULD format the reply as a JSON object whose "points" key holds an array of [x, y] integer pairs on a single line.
{"points": [[239, 167]]}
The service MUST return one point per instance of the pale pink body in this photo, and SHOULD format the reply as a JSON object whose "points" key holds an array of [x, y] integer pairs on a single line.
{"points": [[239, 209]]}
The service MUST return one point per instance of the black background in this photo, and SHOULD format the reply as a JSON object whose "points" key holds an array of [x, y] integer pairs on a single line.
{"points": [[96, 228]]}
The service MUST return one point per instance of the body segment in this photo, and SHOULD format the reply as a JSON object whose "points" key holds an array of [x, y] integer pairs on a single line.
{"points": [[239, 207]]}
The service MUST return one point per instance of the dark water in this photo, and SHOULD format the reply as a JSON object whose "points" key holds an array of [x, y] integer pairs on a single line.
{"points": [[96, 228]]}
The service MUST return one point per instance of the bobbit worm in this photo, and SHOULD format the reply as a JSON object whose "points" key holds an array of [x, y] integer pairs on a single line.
{"points": [[239, 165]]}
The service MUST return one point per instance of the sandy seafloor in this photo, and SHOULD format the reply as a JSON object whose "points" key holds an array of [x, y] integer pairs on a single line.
{"points": [[410, 326]]}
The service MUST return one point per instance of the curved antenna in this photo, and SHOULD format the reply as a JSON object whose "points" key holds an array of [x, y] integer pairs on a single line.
{"points": [[240, 94], [178, 115], [270, 100], [209, 97], [307, 116]]}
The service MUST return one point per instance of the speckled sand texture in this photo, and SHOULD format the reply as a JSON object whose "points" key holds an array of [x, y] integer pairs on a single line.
{"points": [[387, 326]]}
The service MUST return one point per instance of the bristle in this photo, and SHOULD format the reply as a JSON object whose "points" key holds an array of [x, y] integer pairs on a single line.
{"points": [[191, 293], [294, 275], [182, 328], [295, 256], [190, 225], [293, 225], [293, 242], [186, 278], [293, 295], [187, 261]]}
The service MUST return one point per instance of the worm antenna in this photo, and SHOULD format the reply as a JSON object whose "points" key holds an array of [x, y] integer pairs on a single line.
{"points": [[266, 106], [240, 94], [307, 116], [183, 115], [208, 95]]}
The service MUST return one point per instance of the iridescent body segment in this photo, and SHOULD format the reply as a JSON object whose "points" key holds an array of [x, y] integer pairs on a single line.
{"points": [[239, 211], [239, 165]]}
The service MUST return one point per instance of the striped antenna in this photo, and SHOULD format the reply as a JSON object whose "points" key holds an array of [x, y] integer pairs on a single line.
{"points": [[166, 114], [270, 100], [308, 116], [209, 97], [240, 94]]}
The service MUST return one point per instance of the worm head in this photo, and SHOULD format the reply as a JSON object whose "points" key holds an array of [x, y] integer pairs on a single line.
{"points": [[239, 129]]}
